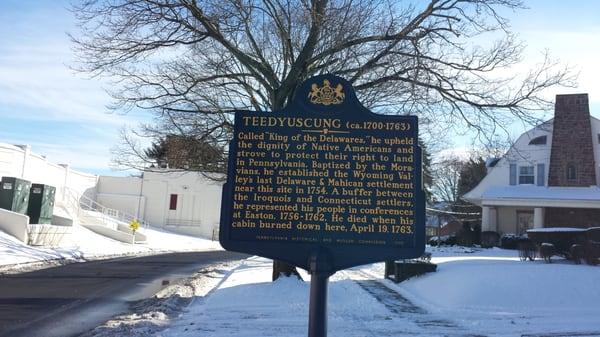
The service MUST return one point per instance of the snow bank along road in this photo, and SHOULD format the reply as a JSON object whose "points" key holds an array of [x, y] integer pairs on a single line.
{"points": [[68, 300]]}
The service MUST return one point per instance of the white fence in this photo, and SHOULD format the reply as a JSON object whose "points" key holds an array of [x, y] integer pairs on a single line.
{"points": [[20, 162]]}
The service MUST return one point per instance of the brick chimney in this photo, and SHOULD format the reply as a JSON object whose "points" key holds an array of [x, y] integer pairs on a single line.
{"points": [[572, 155]]}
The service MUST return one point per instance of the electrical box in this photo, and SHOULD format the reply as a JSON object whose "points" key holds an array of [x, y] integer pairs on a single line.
{"points": [[41, 203], [14, 194]]}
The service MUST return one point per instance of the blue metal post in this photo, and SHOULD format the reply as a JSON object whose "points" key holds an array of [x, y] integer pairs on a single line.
{"points": [[317, 313]]}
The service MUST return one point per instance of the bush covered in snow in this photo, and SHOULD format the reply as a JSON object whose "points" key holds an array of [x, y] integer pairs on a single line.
{"points": [[444, 240]]}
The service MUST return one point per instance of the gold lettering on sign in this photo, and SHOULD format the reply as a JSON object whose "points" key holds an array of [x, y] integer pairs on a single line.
{"points": [[293, 184]]}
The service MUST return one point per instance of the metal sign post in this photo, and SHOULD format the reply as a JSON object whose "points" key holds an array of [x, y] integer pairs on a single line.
{"points": [[319, 279], [317, 312]]}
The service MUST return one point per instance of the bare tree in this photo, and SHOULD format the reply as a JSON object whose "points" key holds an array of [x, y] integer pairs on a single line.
{"points": [[446, 177], [192, 63]]}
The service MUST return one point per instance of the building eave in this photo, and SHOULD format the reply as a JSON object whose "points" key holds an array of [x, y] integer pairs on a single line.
{"points": [[559, 203]]}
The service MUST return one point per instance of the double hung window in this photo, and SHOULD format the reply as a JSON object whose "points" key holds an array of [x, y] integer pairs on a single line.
{"points": [[526, 175]]}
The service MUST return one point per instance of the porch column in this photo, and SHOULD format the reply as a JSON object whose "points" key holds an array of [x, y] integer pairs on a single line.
{"points": [[538, 217], [488, 219]]}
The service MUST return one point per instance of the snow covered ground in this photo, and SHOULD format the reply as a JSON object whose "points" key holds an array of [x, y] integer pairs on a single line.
{"points": [[476, 292], [83, 244], [491, 292]]}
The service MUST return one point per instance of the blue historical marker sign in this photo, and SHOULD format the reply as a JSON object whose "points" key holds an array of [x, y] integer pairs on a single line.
{"points": [[324, 179]]}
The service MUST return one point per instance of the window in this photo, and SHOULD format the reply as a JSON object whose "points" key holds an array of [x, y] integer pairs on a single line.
{"points": [[571, 172], [173, 202], [541, 140], [526, 175]]}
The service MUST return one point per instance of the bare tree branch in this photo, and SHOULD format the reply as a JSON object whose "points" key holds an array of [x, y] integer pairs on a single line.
{"points": [[192, 63]]}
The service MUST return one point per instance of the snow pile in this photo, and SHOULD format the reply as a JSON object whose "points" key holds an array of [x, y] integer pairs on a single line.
{"points": [[14, 252], [84, 244], [154, 314]]}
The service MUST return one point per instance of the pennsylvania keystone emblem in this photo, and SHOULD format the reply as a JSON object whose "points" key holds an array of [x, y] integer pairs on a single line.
{"points": [[326, 95]]}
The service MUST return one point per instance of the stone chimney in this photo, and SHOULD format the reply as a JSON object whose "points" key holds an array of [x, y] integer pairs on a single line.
{"points": [[572, 155]]}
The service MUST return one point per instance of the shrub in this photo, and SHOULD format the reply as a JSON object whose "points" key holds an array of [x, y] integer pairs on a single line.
{"points": [[527, 249], [446, 240], [577, 253], [477, 234], [465, 236], [546, 251], [489, 239], [433, 241], [592, 252], [509, 241]]}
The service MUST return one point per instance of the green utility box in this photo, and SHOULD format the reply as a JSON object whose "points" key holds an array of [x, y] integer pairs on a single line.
{"points": [[41, 203], [14, 194]]}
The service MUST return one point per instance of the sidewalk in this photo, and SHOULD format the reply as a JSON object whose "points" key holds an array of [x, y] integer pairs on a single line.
{"points": [[248, 304]]}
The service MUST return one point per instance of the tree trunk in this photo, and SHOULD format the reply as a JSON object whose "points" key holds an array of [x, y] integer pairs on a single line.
{"points": [[280, 267], [285, 269]]}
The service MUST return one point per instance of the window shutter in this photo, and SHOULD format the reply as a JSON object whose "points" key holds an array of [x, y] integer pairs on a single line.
{"points": [[513, 174], [541, 174]]}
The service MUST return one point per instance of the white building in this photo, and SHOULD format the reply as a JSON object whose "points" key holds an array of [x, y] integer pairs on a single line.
{"points": [[549, 177], [181, 201]]}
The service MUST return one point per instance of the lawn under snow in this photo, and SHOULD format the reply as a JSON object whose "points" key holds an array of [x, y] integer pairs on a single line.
{"points": [[491, 291], [485, 292], [84, 244]]}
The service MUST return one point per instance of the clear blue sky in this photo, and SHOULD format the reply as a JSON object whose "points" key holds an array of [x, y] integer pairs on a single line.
{"points": [[64, 116], [43, 103]]}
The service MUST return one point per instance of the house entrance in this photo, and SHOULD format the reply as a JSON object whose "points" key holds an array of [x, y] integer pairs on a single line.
{"points": [[524, 221]]}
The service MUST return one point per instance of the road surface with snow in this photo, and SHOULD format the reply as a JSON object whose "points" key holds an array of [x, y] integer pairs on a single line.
{"points": [[68, 300]]}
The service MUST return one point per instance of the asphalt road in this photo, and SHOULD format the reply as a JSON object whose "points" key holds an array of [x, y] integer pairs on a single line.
{"points": [[68, 300]]}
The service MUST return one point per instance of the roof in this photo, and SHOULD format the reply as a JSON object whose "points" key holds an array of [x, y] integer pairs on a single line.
{"points": [[10, 146], [556, 229], [542, 196], [542, 192]]}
